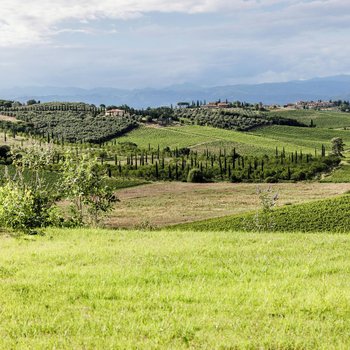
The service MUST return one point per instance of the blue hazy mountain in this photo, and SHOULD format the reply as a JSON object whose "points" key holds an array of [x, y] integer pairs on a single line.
{"points": [[335, 87]]}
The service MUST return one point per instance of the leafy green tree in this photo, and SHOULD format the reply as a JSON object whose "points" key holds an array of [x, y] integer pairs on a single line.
{"points": [[195, 175], [85, 185], [337, 146], [31, 102], [26, 204]]}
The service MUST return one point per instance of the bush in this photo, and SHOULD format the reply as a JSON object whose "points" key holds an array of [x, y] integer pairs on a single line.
{"points": [[24, 211], [195, 176]]}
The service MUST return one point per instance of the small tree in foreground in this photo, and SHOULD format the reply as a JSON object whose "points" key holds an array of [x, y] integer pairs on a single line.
{"points": [[263, 219], [85, 186]]}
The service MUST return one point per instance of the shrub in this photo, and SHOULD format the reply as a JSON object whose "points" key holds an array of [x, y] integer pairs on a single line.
{"points": [[24, 211], [195, 176]]}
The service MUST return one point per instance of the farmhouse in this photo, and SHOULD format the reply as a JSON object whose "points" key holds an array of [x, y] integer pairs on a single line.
{"points": [[217, 105], [115, 113]]}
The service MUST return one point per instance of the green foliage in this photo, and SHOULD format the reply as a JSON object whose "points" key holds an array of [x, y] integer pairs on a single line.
{"points": [[195, 176], [337, 146], [263, 220], [31, 102], [231, 119], [68, 122], [172, 165], [5, 154], [23, 210], [84, 184], [330, 215]]}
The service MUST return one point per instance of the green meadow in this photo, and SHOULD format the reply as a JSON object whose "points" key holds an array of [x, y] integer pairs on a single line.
{"points": [[262, 141], [96, 289], [322, 119]]}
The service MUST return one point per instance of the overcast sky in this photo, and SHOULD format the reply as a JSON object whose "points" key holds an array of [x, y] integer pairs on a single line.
{"points": [[154, 43]]}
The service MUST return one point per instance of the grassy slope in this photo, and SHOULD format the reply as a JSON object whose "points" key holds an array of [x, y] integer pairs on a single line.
{"points": [[322, 119], [106, 290], [187, 202], [202, 137], [342, 174], [319, 216], [308, 138]]}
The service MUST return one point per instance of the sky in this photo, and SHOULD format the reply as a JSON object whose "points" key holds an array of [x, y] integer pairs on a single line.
{"points": [[156, 43]]}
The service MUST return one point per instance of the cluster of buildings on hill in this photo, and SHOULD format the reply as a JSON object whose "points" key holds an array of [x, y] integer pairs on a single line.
{"points": [[311, 105]]}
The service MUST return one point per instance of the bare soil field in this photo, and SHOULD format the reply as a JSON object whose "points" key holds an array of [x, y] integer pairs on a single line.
{"points": [[161, 204]]}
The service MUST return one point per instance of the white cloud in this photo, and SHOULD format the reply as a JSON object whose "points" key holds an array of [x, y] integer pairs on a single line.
{"points": [[33, 21], [245, 41]]}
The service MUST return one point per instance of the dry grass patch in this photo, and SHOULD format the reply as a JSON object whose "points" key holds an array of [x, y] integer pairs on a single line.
{"points": [[162, 204]]}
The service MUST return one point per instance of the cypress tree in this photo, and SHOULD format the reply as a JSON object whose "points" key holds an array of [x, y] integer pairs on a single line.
{"points": [[169, 172], [157, 170]]}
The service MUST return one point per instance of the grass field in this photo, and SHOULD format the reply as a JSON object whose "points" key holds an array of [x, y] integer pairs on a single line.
{"points": [[342, 174], [307, 138], [322, 119], [93, 289], [164, 204], [263, 141]]}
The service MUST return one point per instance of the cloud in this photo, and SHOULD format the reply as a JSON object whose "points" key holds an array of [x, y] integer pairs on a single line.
{"points": [[213, 42], [34, 21]]}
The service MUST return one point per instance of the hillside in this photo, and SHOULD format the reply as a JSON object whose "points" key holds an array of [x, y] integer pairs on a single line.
{"points": [[260, 141], [319, 216], [71, 122], [321, 119]]}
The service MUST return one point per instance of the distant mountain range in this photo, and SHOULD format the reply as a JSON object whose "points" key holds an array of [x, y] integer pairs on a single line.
{"points": [[335, 87]]}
